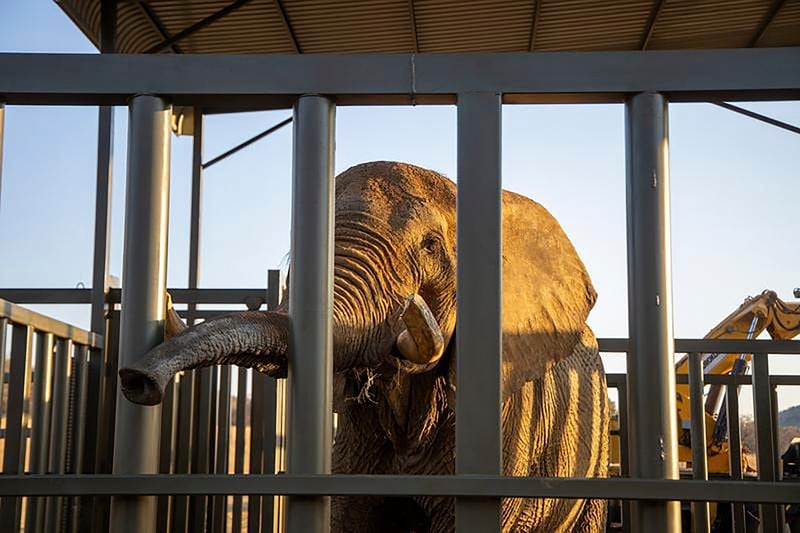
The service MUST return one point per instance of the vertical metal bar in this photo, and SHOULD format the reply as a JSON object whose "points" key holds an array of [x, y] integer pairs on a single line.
{"points": [[169, 414], [735, 452], [310, 306], [765, 439], [78, 429], [212, 439], [183, 451], [200, 445], [238, 465], [106, 419], [2, 130], [270, 504], [3, 341], [197, 203], [143, 298], [95, 377], [700, 512], [625, 470], [479, 306], [268, 422], [102, 221], [15, 441], [263, 421], [223, 440], [40, 423], [651, 373], [94, 509], [58, 434], [258, 385]]}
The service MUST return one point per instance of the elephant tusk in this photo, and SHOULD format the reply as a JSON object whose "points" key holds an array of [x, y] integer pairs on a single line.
{"points": [[173, 324], [421, 341]]}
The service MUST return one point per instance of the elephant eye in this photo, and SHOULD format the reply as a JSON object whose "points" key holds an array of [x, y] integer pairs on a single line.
{"points": [[431, 243]]}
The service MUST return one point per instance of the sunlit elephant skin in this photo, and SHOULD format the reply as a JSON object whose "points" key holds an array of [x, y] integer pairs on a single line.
{"points": [[394, 358]]}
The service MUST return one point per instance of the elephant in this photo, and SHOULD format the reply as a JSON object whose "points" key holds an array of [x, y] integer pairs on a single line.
{"points": [[394, 329]]}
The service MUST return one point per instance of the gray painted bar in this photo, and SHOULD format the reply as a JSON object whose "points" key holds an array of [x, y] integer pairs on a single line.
{"points": [[143, 296], [310, 308], [2, 130], [651, 373], [479, 289], [231, 82], [770, 515], [700, 510]]}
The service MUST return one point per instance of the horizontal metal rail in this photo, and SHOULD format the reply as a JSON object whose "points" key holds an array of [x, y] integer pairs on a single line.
{"points": [[275, 80], [83, 296], [352, 485], [257, 296], [618, 379], [25, 317], [772, 347]]}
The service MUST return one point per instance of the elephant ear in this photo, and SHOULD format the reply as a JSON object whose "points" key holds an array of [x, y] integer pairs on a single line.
{"points": [[547, 295]]}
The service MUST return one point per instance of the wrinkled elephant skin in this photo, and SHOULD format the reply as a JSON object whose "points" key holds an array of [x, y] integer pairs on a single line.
{"points": [[394, 358]]}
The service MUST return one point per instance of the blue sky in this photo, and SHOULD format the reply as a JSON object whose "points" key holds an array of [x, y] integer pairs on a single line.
{"points": [[734, 191]]}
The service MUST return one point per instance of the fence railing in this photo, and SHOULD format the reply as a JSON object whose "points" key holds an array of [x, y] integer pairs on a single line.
{"points": [[45, 411], [314, 84], [218, 422]]}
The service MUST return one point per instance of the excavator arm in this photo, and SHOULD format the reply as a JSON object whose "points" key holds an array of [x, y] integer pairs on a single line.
{"points": [[763, 312]]}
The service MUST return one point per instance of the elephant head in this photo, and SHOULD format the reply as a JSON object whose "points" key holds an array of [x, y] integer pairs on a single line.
{"points": [[394, 309]]}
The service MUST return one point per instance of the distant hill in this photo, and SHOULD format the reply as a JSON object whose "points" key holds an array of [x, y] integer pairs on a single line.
{"points": [[789, 417]]}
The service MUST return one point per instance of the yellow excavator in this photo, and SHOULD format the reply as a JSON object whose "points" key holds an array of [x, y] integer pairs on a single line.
{"points": [[757, 314]]}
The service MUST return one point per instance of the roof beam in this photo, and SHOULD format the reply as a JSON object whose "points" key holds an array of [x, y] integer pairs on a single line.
{"points": [[268, 81], [287, 26], [537, 6], [108, 26], [658, 6], [156, 24], [194, 28], [247, 143], [766, 21], [413, 16], [758, 116]]}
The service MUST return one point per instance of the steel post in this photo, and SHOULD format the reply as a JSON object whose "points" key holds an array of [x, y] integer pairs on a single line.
{"points": [[15, 443], [479, 289], [2, 130], [769, 514], [143, 298], [40, 408], [651, 375], [310, 308], [700, 511], [735, 452], [58, 433], [101, 381], [194, 217], [95, 450]]}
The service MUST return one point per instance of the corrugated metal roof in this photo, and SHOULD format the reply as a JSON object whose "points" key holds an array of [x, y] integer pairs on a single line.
{"points": [[320, 26]]}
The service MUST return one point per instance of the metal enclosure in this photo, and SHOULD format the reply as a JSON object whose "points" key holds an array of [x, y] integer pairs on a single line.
{"points": [[478, 84]]}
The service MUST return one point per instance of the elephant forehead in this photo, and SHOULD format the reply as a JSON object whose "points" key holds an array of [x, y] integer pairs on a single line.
{"points": [[388, 201]]}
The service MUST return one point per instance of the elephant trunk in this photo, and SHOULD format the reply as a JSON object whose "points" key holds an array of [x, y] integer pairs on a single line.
{"points": [[252, 339]]}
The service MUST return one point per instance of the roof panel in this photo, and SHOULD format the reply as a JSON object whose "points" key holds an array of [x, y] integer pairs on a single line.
{"points": [[442, 25], [708, 23], [480, 25]]}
